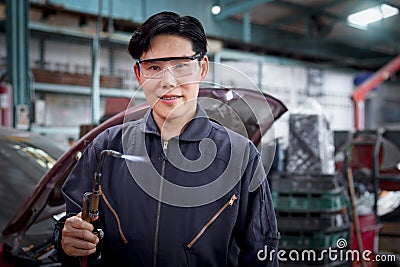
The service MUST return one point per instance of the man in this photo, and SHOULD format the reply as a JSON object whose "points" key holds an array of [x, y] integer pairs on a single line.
{"points": [[194, 194]]}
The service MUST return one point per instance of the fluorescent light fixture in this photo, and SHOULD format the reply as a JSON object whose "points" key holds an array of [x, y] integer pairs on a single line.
{"points": [[363, 18], [216, 9]]}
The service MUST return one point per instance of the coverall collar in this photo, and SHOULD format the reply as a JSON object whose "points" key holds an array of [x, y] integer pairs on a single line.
{"points": [[197, 129]]}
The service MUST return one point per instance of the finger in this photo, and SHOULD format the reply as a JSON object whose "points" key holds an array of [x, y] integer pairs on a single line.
{"points": [[76, 244], [77, 247], [77, 222], [81, 234]]}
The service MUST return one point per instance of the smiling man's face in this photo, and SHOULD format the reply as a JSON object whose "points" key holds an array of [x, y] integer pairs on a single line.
{"points": [[171, 97]]}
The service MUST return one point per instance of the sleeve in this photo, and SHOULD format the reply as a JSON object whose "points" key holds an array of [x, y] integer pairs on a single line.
{"points": [[81, 178], [78, 182], [256, 230]]}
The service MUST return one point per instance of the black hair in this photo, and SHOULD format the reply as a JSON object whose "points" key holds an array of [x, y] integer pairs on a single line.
{"points": [[168, 23]]}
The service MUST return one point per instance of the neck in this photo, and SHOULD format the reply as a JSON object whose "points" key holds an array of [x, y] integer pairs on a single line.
{"points": [[171, 127]]}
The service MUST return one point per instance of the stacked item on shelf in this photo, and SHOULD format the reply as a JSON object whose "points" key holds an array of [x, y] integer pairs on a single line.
{"points": [[311, 147], [313, 215], [310, 199]]}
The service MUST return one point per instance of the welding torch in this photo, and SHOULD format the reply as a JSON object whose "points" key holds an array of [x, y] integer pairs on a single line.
{"points": [[90, 204]]}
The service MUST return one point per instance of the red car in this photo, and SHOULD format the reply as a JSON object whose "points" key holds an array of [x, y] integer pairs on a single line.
{"points": [[248, 112], [25, 157]]}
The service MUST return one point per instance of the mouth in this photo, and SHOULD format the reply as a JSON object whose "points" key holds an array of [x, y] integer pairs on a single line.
{"points": [[170, 97]]}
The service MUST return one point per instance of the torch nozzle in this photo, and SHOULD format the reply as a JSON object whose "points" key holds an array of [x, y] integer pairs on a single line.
{"points": [[113, 153]]}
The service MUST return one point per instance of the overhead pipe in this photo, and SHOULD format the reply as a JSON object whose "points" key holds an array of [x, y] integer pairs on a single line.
{"points": [[359, 94]]}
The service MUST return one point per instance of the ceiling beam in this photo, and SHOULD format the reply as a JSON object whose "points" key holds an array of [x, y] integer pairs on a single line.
{"points": [[376, 30], [379, 2], [230, 10], [329, 27], [303, 12]]}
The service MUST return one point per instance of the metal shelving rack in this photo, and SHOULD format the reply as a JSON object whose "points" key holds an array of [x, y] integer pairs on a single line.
{"points": [[42, 29]]}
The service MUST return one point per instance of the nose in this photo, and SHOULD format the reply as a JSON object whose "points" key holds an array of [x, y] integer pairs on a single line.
{"points": [[168, 80]]}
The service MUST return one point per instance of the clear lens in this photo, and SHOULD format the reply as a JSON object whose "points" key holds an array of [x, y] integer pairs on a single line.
{"points": [[178, 68]]}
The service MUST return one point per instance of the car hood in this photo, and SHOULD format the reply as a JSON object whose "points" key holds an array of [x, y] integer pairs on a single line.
{"points": [[221, 104]]}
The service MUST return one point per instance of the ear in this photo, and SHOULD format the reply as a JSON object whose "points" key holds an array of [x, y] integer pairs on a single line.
{"points": [[137, 74], [204, 67]]}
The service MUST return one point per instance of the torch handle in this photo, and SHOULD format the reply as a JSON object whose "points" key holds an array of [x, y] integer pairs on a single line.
{"points": [[86, 206]]}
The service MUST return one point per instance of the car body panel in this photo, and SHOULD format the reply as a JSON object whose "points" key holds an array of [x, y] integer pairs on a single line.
{"points": [[25, 157]]}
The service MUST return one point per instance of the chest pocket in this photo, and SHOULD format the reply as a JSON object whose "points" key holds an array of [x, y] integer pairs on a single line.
{"points": [[209, 243], [208, 224]]}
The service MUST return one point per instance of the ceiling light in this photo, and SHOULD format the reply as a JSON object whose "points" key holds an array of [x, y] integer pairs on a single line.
{"points": [[363, 18], [216, 9]]}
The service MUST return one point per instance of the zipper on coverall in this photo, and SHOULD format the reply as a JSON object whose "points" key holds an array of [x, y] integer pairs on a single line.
{"points": [[155, 248], [199, 234]]}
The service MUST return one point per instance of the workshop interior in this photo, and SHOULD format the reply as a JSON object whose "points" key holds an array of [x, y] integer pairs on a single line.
{"points": [[327, 71]]}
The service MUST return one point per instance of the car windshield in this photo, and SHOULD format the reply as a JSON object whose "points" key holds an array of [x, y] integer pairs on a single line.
{"points": [[24, 159]]}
